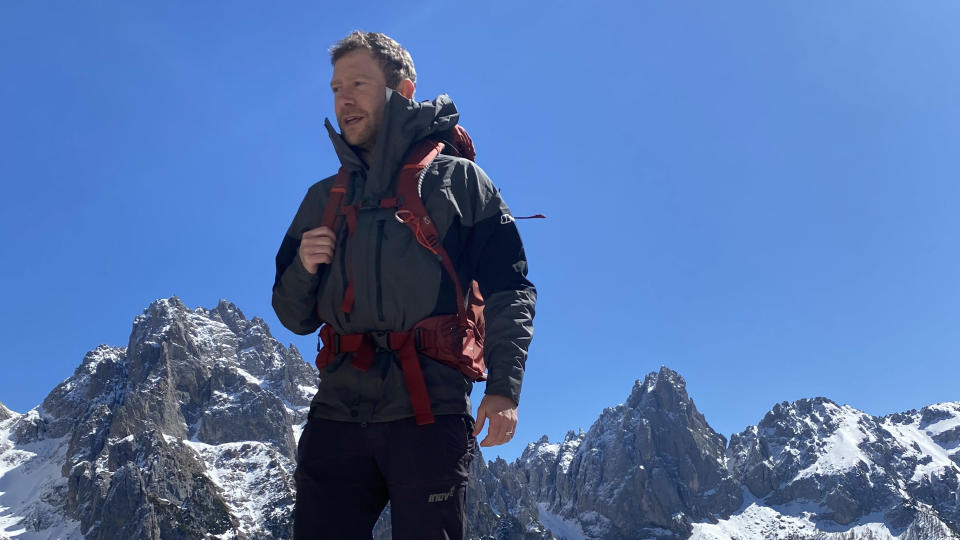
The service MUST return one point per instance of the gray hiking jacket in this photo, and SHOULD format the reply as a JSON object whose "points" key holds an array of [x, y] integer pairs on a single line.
{"points": [[397, 282]]}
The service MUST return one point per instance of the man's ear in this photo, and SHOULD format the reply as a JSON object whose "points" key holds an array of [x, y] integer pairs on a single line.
{"points": [[406, 88]]}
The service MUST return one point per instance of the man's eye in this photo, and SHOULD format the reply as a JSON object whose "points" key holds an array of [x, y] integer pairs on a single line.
{"points": [[335, 89]]}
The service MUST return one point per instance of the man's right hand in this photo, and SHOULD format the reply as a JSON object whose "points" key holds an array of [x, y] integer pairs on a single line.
{"points": [[316, 248]]}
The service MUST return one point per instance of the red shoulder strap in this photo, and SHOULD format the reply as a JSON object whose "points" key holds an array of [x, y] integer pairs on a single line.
{"points": [[332, 211], [413, 214], [333, 215]]}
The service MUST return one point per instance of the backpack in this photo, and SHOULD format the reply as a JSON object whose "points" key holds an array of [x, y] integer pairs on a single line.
{"points": [[454, 340]]}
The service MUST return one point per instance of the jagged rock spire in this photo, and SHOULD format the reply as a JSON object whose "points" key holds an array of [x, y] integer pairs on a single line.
{"points": [[5, 413]]}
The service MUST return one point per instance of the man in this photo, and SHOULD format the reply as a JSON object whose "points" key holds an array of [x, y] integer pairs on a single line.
{"points": [[364, 443]]}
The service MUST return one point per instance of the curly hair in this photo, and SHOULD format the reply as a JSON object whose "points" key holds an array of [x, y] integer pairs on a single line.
{"points": [[395, 61]]}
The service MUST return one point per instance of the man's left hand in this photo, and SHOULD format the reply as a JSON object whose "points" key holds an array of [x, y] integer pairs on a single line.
{"points": [[502, 412]]}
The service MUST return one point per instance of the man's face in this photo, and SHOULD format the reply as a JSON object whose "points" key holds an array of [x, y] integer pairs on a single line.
{"points": [[359, 91]]}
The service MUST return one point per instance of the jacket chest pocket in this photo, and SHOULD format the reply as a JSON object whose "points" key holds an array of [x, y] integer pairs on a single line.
{"points": [[394, 277], [407, 275]]}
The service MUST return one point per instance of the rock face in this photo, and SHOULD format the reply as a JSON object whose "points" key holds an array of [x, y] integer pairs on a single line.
{"points": [[834, 465], [645, 467], [5, 413], [190, 432], [815, 450]]}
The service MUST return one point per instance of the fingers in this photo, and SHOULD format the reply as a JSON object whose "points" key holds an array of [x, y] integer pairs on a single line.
{"points": [[481, 419], [318, 233], [502, 412], [502, 428], [316, 248], [316, 255], [312, 258]]}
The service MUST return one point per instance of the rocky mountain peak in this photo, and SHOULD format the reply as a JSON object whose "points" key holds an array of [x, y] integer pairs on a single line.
{"points": [[939, 412], [226, 306], [848, 464], [206, 361], [537, 449], [662, 390], [818, 407], [807, 419], [194, 390], [5, 413], [647, 468], [230, 315], [162, 309]]}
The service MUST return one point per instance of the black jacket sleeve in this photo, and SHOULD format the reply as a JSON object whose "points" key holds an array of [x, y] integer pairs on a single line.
{"points": [[294, 288], [500, 268]]}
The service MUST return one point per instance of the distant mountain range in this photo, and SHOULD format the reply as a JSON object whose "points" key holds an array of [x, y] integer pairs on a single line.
{"points": [[190, 432]]}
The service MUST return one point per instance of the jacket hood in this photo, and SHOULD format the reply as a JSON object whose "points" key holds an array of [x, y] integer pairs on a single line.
{"points": [[404, 122]]}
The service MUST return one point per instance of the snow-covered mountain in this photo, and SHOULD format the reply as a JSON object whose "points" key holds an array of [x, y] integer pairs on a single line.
{"points": [[652, 468], [190, 432], [814, 467]]}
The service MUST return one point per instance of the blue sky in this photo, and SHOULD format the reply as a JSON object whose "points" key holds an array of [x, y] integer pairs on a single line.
{"points": [[761, 196]]}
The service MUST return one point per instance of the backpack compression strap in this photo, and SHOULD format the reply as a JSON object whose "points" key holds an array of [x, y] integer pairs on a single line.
{"points": [[413, 214]]}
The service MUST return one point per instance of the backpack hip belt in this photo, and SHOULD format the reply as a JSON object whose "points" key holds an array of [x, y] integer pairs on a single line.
{"points": [[441, 338]]}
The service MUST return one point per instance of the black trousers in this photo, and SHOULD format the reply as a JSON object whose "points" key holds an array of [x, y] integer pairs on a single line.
{"points": [[346, 473]]}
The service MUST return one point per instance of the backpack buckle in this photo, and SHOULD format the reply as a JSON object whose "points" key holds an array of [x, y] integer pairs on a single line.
{"points": [[380, 340]]}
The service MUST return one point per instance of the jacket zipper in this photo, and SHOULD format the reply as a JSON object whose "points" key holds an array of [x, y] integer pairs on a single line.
{"points": [[378, 269]]}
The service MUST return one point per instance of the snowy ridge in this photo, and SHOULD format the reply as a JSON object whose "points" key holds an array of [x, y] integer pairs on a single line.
{"points": [[813, 437], [201, 411], [821, 470], [31, 485], [560, 527], [930, 438], [841, 450], [795, 521], [254, 486]]}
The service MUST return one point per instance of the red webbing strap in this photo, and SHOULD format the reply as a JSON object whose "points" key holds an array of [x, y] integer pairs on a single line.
{"points": [[331, 212], [333, 343], [333, 217], [406, 346], [363, 357], [414, 215], [448, 264], [325, 353]]}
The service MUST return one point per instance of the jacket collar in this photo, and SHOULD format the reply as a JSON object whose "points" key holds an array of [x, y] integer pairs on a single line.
{"points": [[404, 122]]}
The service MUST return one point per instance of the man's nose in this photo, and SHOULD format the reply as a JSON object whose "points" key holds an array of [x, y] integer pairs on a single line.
{"points": [[345, 97]]}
